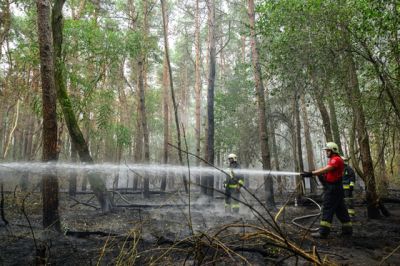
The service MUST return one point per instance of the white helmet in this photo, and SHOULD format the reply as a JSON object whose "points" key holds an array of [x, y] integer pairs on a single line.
{"points": [[232, 156]]}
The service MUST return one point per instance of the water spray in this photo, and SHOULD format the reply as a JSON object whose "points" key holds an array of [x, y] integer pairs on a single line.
{"points": [[51, 167]]}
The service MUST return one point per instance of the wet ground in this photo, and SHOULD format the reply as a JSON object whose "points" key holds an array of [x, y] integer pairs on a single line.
{"points": [[162, 231]]}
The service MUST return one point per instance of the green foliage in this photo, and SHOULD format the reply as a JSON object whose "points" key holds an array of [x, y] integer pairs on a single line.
{"points": [[123, 133], [104, 110], [235, 106]]}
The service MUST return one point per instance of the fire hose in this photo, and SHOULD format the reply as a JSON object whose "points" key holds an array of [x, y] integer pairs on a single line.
{"points": [[299, 218]]}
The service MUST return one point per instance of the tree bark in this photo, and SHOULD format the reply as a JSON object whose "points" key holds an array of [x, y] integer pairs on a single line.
{"points": [[263, 134], [51, 218], [97, 184]]}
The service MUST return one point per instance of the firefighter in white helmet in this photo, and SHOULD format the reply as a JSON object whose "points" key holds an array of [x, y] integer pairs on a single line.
{"points": [[233, 183]]}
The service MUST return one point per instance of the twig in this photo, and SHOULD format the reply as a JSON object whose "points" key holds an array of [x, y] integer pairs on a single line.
{"points": [[133, 171], [188, 166], [103, 251], [26, 216]]}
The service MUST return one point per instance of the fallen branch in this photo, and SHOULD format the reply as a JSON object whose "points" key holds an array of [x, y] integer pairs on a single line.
{"points": [[73, 205], [83, 234], [84, 203], [390, 254], [122, 197], [151, 205]]}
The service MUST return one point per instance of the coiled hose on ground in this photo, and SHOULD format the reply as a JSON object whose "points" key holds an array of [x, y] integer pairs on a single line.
{"points": [[296, 219]]}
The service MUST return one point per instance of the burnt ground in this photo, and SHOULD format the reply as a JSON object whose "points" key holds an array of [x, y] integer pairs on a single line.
{"points": [[157, 231]]}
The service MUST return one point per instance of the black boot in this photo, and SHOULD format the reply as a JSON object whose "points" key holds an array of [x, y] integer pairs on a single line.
{"points": [[322, 233]]}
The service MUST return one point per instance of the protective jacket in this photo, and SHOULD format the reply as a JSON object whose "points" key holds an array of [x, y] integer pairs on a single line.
{"points": [[234, 180], [349, 177], [348, 181], [232, 185]]}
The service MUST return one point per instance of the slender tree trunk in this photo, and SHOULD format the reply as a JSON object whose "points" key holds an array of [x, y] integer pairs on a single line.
{"points": [[138, 155], [166, 121], [11, 134], [143, 119], [301, 187], [197, 85], [382, 178], [211, 80], [51, 218], [97, 184], [325, 119], [263, 134], [334, 124], [210, 155], [171, 84], [309, 149], [73, 174]]}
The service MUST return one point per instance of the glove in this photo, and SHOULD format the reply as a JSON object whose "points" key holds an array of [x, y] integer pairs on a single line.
{"points": [[224, 184], [351, 188], [306, 174]]}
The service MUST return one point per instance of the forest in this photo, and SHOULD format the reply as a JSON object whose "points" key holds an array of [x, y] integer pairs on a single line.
{"points": [[120, 120]]}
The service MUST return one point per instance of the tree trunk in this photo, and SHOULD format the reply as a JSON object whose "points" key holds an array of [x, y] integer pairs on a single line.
{"points": [[325, 119], [210, 155], [11, 134], [334, 124], [300, 182], [171, 84], [73, 174], [51, 218], [197, 85], [211, 80], [145, 131], [309, 149], [166, 121], [382, 178], [362, 133], [263, 134], [97, 184]]}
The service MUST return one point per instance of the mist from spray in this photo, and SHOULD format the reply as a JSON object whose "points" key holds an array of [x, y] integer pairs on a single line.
{"points": [[206, 212], [109, 168]]}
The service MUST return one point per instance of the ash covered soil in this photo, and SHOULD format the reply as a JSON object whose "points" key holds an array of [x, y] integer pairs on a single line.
{"points": [[160, 231]]}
